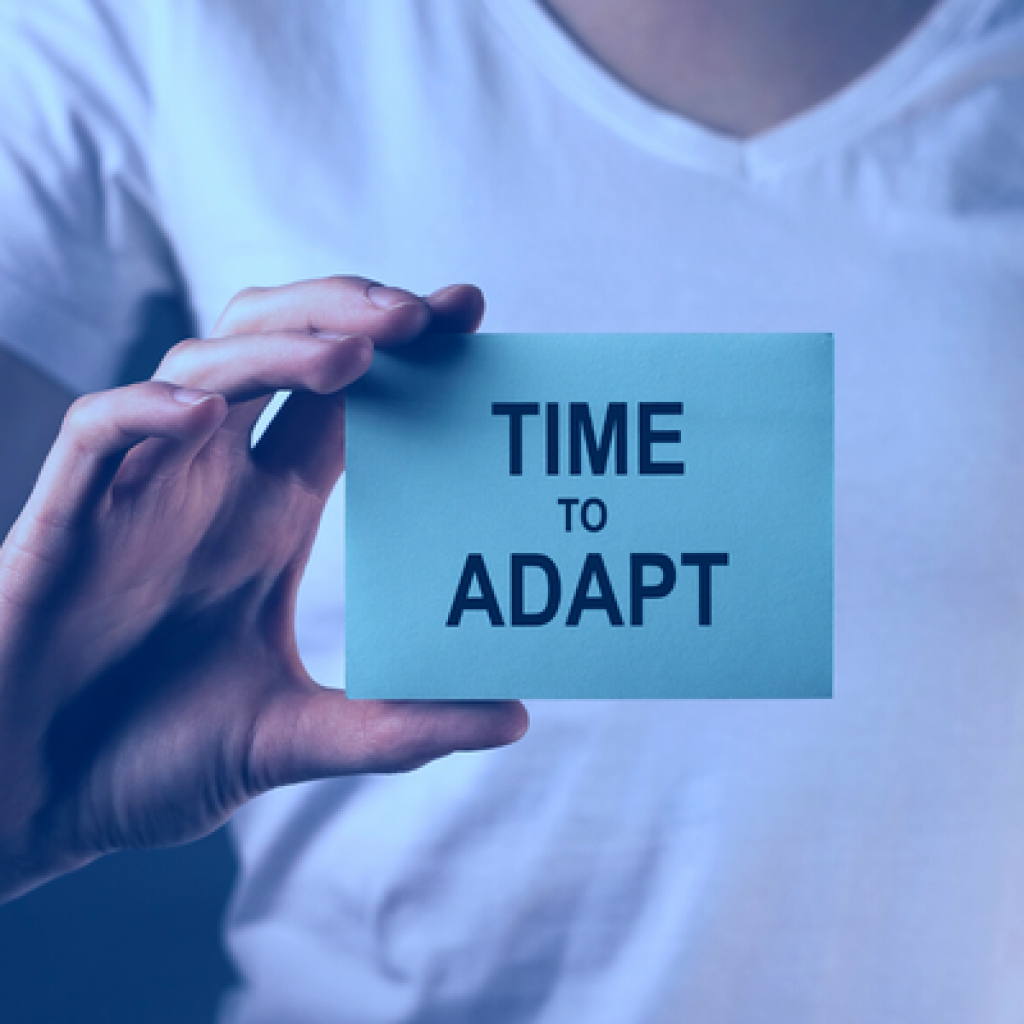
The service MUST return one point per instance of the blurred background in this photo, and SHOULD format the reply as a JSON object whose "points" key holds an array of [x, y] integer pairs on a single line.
{"points": [[131, 939]]}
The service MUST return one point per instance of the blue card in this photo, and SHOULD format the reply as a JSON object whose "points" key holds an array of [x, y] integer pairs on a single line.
{"points": [[592, 516]]}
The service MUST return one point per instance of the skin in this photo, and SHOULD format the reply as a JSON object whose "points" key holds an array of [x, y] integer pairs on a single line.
{"points": [[149, 677], [740, 67]]}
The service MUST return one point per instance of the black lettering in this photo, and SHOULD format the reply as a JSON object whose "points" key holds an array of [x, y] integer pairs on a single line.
{"points": [[568, 503], [475, 569], [518, 615], [581, 428], [639, 591], [594, 568], [552, 438], [515, 411], [704, 563], [602, 510], [649, 437]]}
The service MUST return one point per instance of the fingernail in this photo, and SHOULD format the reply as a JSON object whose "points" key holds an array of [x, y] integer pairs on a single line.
{"points": [[388, 298], [189, 396], [441, 292], [341, 336]]}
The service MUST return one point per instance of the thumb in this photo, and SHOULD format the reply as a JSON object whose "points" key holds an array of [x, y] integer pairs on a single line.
{"points": [[313, 733]]}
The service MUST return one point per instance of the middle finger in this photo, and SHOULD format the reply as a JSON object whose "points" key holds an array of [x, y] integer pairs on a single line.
{"points": [[248, 368]]}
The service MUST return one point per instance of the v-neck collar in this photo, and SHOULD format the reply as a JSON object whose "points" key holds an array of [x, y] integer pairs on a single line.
{"points": [[825, 125]]}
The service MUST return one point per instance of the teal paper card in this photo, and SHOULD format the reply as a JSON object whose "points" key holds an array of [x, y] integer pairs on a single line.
{"points": [[592, 515]]}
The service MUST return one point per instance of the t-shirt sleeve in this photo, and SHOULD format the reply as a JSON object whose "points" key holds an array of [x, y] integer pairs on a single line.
{"points": [[81, 253]]}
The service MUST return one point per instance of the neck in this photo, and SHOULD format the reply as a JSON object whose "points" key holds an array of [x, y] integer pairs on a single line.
{"points": [[739, 66]]}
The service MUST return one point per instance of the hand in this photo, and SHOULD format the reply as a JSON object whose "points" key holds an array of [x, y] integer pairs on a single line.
{"points": [[149, 677]]}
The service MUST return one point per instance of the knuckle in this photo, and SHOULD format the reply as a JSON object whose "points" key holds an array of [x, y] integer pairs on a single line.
{"points": [[89, 420], [397, 742], [82, 414], [348, 281], [175, 358], [180, 346], [96, 419], [318, 370], [245, 296], [344, 287], [240, 309], [330, 366]]}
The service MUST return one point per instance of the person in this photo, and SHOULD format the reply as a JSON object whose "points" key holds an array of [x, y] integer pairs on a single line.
{"points": [[615, 166]]}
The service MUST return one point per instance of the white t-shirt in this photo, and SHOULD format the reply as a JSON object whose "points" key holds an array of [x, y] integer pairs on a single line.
{"points": [[860, 859]]}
